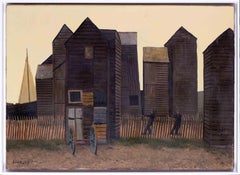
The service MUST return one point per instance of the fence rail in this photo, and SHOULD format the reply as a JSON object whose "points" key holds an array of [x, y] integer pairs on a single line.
{"points": [[133, 127], [48, 128], [44, 127]]}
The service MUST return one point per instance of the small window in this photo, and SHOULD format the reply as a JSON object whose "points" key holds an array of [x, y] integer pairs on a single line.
{"points": [[88, 52], [133, 100], [74, 96]]}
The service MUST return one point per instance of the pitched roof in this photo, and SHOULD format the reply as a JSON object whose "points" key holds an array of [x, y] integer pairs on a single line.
{"points": [[227, 33], [49, 60], [155, 54], [180, 34], [87, 23], [110, 36], [128, 38], [44, 71], [64, 32]]}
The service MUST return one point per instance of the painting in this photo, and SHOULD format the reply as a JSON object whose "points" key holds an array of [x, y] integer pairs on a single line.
{"points": [[130, 87]]}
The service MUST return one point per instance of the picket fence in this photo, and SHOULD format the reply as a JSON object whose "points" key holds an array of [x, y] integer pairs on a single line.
{"points": [[43, 127], [50, 128], [133, 127]]}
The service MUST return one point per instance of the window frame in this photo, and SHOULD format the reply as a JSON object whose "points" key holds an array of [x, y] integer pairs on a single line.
{"points": [[89, 52], [133, 100], [75, 102]]}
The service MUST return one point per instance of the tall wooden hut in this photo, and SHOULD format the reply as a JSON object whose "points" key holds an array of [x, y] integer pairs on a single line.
{"points": [[44, 88], [130, 87], [59, 70], [219, 90], [182, 52], [93, 79], [155, 80]]}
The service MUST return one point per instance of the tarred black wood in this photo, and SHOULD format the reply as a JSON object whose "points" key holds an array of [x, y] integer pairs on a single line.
{"points": [[219, 90], [182, 51]]}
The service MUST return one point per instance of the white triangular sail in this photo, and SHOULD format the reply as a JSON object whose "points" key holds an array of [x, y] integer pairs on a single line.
{"points": [[28, 90]]}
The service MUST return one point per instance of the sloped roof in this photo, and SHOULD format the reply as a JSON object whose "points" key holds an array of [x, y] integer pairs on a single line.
{"points": [[87, 22], [227, 33], [64, 32], [110, 36], [44, 71], [155, 54], [128, 38], [180, 34], [49, 60]]}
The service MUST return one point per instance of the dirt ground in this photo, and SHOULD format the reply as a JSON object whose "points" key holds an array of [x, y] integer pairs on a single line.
{"points": [[117, 157]]}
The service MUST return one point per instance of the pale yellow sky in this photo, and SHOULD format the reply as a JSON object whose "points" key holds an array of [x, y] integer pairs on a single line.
{"points": [[35, 26]]}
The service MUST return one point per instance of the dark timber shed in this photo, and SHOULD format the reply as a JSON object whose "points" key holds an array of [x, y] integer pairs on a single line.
{"points": [[155, 80], [182, 52], [59, 70], [93, 78], [130, 87], [219, 90], [82, 80], [44, 88]]}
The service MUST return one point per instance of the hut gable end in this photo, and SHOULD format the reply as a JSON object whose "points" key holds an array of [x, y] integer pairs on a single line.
{"points": [[65, 32], [221, 40], [49, 60], [82, 33], [179, 35]]}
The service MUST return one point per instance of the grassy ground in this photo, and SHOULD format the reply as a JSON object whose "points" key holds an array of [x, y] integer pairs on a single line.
{"points": [[52, 145], [123, 154], [176, 143]]}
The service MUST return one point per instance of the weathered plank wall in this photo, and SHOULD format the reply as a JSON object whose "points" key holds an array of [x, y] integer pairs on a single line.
{"points": [[155, 80], [99, 74], [182, 51], [130, 90], [44, 89], [87, 74], [59, 69], [114, 82], [219, 90]]}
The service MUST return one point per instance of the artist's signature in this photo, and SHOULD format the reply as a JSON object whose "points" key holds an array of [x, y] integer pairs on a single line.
{"points": [[22, 162]]}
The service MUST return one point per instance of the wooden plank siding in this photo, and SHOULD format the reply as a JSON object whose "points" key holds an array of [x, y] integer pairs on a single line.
{"points": [[114, 85], [155, 80], [59, 69], [219, 90], [88, 75], [130, 86], [99, 74], [44, 87], [182, 51]]}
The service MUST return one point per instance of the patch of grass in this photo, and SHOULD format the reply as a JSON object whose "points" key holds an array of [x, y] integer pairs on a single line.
{"points": [[229, 151], [52, 145], [160, 143], [176, 143]]}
